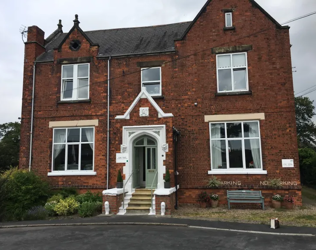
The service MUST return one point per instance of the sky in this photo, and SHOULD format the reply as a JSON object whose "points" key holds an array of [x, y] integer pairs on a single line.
{"points": [[108, 14]]}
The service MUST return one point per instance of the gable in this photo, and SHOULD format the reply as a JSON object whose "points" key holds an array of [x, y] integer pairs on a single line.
{"points": [[75, 27], [253, 2]]}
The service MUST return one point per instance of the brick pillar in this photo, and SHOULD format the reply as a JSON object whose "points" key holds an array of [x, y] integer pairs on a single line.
{"points": [[168, 199], [115, 202]]}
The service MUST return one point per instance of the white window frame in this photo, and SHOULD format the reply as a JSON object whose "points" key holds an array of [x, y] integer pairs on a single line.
{"points": [[243, 170], [232, 72], [66, 171], [75, 82], [229, 15], [148, 82]]}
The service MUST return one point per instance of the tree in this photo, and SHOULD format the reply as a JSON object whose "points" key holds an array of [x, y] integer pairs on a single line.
{"points": [[9, 145], [306, 129]]}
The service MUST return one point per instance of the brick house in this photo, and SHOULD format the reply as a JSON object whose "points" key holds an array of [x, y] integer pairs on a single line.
{"points": [[207, 98]]}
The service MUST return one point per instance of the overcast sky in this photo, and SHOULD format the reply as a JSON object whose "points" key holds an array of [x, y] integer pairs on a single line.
{"points": [[107, 14]]}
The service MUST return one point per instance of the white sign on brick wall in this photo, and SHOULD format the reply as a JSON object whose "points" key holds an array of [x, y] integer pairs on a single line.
{"points": [[287, 163], [121, 158]]}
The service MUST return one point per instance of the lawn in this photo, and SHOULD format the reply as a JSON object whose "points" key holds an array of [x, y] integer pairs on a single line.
{"points": [[302, 216]]}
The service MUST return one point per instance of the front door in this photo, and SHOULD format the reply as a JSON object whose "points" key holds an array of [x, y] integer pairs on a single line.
{"points": [[145, 163]]}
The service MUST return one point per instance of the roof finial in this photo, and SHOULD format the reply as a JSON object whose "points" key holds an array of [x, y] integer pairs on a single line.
{"points": [[76, 21], [59, 25]]}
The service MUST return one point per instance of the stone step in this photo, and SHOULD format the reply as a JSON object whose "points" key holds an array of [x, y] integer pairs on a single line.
{"points": [[139, 203], [141, 197], [137, 210], [142, 193]]}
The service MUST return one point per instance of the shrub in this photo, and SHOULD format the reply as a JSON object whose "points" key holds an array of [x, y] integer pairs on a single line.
{"points": [[89, 197], [66, 206], [67, 192], [36, 213], [56, 198], [167, 176], [119, 176], [23, 190], [50, 208], [87, 209], [98, 207], [214, 182]]}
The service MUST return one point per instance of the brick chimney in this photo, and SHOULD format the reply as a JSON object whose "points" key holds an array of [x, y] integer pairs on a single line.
{"points": [[35, 43]]}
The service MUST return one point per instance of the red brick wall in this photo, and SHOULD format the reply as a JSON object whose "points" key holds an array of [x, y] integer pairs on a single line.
{"points": [[185, 81], [190, 196]]}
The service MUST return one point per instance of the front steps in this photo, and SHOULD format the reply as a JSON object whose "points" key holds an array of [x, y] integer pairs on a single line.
{"points": [[140, 202]]}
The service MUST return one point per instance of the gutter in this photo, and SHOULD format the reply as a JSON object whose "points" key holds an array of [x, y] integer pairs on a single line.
{"points": [[32, 118], [176, 134], [108, 128]]}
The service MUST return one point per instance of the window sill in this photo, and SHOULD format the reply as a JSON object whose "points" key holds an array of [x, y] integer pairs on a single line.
{"points": [[227, 172], [233, 93], [75, 101], [229, 28], [158, 97], [70, 173]]}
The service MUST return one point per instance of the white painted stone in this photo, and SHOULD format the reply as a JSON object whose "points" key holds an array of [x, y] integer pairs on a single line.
{"points": [[107, 208], [163, 208], [143, 112]]}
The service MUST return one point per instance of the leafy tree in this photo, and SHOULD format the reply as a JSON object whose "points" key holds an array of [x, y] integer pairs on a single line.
{"points": [[306, 129], [9, 145], [308, 166]]}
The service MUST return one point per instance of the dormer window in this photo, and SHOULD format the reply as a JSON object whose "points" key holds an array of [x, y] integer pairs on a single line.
{"points": [[228, 19]]}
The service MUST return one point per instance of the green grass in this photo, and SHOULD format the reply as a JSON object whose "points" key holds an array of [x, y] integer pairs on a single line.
{"points": [[309, 193], [306, 217]]}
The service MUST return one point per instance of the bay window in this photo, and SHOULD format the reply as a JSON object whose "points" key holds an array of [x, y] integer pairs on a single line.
{"points": [[235, 146]]}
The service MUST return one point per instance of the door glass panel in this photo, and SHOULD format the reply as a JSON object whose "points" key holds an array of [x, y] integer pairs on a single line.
{"points": [[148, 158], [150, 142], [153, 150], [140, 142]]}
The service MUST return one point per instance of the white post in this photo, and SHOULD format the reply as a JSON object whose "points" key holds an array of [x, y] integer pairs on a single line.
{"points": [[107, 208], [163, 208]]}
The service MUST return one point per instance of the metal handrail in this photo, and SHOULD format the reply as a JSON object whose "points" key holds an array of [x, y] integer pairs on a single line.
{"points": [[151, 187], [124, 187]]}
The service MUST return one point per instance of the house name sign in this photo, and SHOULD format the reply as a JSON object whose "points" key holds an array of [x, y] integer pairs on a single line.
{"points": [[121, 157]]}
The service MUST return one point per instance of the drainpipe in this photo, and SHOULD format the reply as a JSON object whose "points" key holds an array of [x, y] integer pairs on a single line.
{"points": [[32, 117], [176, 133], [108, 129]]}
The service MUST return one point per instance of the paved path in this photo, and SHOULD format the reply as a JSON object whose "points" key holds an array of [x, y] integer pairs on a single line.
{"points": [[143, 237]]}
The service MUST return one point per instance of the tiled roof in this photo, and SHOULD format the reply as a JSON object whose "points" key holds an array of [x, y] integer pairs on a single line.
{"points": [[127, 41]]}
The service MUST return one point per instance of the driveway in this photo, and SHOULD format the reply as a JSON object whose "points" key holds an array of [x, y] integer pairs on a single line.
{"points": [[145, 237]]}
